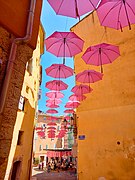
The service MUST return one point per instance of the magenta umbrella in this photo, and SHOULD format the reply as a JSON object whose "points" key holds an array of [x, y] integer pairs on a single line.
{"points": [[117, 13], [55, 94], [101, 54], [56, 85], [89, 76], [59, 71], [81, 89], [72, 104], [69, 111], [52, 105], [54, 101], [75, 97], [64, 44], [52, 111], [73, 8], [51, 124], [51, 127]]}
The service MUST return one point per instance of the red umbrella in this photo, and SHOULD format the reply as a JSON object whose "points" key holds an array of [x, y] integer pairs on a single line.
{"points": [[52, 105], [51, 124], [69, 111], [73, 8], [38, 128], [41, 133], [56, 85], [64, 44], [51, 131], [117, 13], [59, 71], [54, 94], [72, 104], [81, 89], [75, 97], [89, 76], [101, 54], [52, 111], [54, 101]]}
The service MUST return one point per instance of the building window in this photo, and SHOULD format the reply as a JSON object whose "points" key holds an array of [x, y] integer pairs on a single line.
{"points": [[46, 146], [21, 103], [29, 66], [20, 137], [40, 147]]}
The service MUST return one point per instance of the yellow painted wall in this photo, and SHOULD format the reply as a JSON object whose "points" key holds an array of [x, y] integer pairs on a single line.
{"points": [[107, 116], [25, 119]]}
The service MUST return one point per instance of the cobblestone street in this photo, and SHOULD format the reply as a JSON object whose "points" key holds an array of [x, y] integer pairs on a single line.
{"points": [[62, 175]]}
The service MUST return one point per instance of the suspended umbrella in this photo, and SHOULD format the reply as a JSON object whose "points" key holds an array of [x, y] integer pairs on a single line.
{"points": [[56, 85], [89, 76], [52, 105], [81, 89], [54, 101], [51, 127], [116, 13], [51, 124], [38, 128], [69, 111], [73, 8], [75, 97], [51, 131], [41, 133], [59, 71], [72, 104], [52, 111], [64, 44], [101, 54], [55, 94]]}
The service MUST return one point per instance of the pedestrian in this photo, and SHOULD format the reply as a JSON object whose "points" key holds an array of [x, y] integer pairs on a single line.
{"points": [[42, 165]]}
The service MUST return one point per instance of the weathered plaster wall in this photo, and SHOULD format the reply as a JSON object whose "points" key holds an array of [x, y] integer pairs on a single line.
{"points": [[8, 118], [107, 116]]}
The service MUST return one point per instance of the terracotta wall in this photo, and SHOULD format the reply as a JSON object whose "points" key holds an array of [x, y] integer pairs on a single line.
{"points": [[107, 116]]}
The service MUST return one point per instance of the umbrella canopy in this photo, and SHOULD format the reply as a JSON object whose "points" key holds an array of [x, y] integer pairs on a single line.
{"points": [[75, 97], [54, 101], [81, 89], [56, 85], [41, 133], [64, 44], [59, 71], [38, 128], [72, 104], [51, 124], [69, 111], [52, 105], [116, 13], [51, 131], [101, 54], [52, 111], [54, 94], [73, 8], [89, 76]]}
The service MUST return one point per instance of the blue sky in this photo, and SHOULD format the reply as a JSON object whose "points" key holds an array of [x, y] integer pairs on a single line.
{"points": [[52, 22]]}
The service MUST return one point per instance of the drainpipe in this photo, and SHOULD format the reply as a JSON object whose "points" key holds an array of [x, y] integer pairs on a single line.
{"points": [[12, 55]]}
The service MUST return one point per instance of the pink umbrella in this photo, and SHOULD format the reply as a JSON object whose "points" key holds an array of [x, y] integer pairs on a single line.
{"points": [[51, 131], [59, 71], [69, 111], [51, 127], [81, 89], [73, 8], [38, 128], [54, 101], [51, 124], [101, 54], [52, 105], [64, 44], [54, 94], [72, 104], [52, 111], [117, 13], [89, 76], [75, 97], [56, 85], [41, 133]]}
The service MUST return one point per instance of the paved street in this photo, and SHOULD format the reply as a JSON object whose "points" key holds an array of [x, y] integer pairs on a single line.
{"points": [[62, 175]]}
